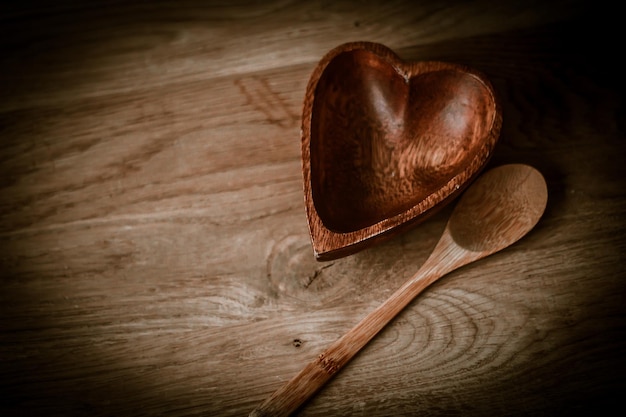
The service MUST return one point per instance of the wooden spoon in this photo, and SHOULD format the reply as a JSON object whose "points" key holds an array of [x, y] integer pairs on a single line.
{"points": [[501, 207]]}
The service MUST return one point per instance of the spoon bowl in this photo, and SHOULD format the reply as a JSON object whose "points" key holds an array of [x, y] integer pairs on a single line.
{"points": [[386, 143], [515, 208], [500, 208]]}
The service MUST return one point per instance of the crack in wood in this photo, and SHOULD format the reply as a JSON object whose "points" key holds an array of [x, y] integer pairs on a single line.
{"points": [[316, 274]]}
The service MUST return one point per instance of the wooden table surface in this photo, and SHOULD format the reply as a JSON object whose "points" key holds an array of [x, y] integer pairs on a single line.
{"points": [[154, 250]]}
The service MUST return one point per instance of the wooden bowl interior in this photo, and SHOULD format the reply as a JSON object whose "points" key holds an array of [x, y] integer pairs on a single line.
{"points": [[381, 142]]}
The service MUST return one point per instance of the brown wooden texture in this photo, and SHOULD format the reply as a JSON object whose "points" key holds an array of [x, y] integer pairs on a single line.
{"points": [[154, 251], [500, 208], [386, 143]]}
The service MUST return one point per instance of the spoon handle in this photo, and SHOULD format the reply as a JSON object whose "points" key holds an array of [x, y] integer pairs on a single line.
{"points": [[313, 376]]}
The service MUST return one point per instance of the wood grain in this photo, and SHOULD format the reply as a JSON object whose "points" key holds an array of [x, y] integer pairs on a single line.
{"points": [[154, 251]]}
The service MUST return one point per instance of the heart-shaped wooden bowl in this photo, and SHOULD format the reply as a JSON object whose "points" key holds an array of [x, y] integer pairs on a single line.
{"points": [[386, 143]]}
